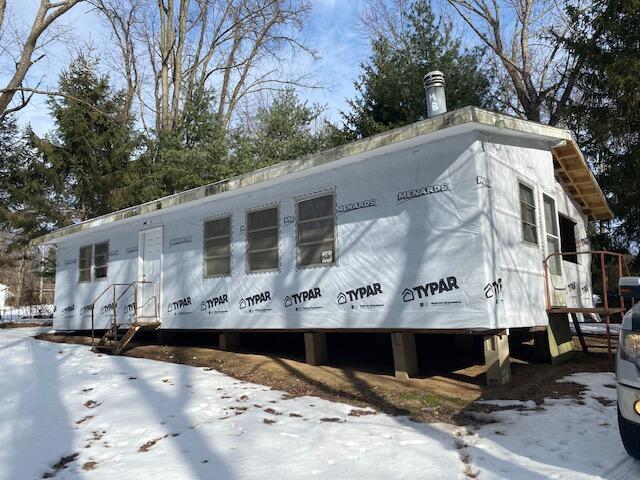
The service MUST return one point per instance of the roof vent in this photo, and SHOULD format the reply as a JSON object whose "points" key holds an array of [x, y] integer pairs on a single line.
{"points": [[436, 97]]}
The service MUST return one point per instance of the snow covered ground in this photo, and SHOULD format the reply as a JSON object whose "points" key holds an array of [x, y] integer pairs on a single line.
{"points": [[118, 417], [29, 314], [597, 328]]}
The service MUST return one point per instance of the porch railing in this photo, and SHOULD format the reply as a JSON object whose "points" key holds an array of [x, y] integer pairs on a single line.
{"points": [[621, 267], [111, 288]]}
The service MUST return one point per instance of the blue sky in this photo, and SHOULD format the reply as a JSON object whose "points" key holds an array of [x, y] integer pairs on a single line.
{"points": [[331, 30]]}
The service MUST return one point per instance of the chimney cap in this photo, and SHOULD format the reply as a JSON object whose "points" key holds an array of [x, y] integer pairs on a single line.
{"points": [[434, 78]]}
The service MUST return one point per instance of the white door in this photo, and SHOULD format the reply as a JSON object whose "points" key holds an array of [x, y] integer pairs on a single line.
{"points": [[149, 274]]}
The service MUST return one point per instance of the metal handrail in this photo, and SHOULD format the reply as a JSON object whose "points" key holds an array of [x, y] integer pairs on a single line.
{"points": [[114, 305], [605, 296]]}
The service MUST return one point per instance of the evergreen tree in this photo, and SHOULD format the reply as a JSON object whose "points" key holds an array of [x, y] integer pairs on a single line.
{"points": [[195, 154], [390, 91], [30, 205], [285, 130], [91, 146], [606, 114]]}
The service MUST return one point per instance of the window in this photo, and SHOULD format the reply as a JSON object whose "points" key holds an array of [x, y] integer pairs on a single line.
{"points": [[217, 247], [100, 259], [93, 259], [316, 231], [568, 238], [84, 263], [528, 214], [553, 241], [262, 240]]}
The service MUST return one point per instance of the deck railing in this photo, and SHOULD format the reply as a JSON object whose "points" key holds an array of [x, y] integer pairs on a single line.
{"points": [[605, 310]]}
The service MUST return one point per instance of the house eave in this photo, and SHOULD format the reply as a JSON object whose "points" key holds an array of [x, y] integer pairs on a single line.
{"points": [[467, 115]]}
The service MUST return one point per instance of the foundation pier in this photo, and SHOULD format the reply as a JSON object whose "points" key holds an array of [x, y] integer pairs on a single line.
{"points": [[497, 360], [228, 341], [405, 357], [315, 348]]}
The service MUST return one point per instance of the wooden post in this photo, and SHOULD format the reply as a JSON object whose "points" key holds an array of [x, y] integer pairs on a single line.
{"points": [[622, 311], [114, 324], [92, 329], [497, 360], [315, 348], [605, 299], [405, 356], [228, 341]]}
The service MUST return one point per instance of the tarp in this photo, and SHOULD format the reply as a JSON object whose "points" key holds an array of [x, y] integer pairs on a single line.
{"points": [[416, 248]]}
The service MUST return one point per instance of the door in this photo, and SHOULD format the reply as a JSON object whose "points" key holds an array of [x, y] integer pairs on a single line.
{"points": [[558, 286], [149, 274]]}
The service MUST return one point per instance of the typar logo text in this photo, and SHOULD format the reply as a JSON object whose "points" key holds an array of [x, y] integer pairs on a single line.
{"points": [[298, 298], [129, 308], [422, 191], [431, 289], [106, 309], [67, 311], [493, 290], [215, 304], [256, 300], [177, 307], [361, 293]]}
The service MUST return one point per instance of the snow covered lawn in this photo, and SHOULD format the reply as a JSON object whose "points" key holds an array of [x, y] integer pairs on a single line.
{"points": [[119, 417]]}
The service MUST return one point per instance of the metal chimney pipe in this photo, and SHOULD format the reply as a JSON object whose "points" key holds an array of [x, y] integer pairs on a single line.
{"points": [[435, 92]]}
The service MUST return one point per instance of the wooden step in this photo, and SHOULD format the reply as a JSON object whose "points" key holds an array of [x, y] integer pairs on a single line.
{"points": [[146, 324], [126, 339]]}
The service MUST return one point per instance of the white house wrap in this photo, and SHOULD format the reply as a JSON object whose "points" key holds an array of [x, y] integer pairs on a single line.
{"points": [[429, 234]]}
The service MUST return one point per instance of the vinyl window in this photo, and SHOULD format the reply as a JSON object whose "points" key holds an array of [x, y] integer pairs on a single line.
{"points": [[528, 214], [316, 226], [100, 259], [263, 240], [93, 262], [553, 240], [217, 247], [84, 263]]}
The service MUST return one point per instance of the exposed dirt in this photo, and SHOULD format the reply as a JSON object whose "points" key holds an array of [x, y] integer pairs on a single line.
{"points": [[445, 397], [147, 446], [60, 465]]}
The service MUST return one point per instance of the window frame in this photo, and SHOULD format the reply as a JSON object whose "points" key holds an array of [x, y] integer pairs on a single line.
{"points": [[523, 222], [305, 198], [90, 269], [106, 261], [247, 249], [222, 216], [549, 234], [92, 262]]}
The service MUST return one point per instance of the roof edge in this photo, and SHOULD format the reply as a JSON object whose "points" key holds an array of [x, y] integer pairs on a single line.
{"points": [[453, 118]]}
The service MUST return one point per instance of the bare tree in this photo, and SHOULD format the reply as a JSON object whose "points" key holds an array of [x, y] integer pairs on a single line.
{"points": [[3, 8], [539, 75], [123, 17], [174, 50], [48, 12]]}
